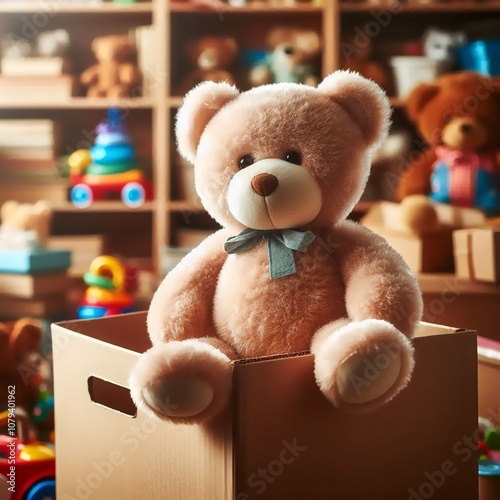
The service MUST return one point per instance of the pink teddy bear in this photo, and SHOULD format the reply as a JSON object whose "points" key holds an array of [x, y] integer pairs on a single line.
{"points": [[280, 167]]}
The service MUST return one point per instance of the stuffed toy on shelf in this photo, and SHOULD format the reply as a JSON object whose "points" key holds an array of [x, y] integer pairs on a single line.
{"points": [[458, 116], [211, 58], [292, 50], [115, 74], [280, 167], [357, 57], [24, 226]]}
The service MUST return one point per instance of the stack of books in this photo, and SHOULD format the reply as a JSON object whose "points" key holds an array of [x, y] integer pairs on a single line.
{"points": [[29, 162], [33, 283], [35, 79]]}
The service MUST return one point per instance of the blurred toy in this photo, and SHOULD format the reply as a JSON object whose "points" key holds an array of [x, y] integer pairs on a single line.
{"points": [[386, 166], [52, 43], [459, 117], [441, 45], [24, 226], [293, 49], [211, 58], [21, 364], [27, 465], [106, 294], [115, 74], [46, 44], [359, 58], [108, 168], [280, 167]]}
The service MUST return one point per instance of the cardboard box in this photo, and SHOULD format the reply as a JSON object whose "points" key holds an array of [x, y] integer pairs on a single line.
{"points": [[279, 439], [449, 300], [488, 353], [477, 254], [430, 251]]}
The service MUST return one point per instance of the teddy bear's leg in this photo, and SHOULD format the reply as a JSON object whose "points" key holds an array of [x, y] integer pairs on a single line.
{"points": [[95, 91], [361, 365], [118, 91], [187, 381]]}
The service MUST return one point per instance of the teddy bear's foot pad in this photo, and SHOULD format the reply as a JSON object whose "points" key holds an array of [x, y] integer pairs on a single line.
{"points": [[179, 396], [364, 378], [363, 364]]}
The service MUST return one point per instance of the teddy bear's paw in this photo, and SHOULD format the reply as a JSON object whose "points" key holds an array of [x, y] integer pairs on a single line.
{"points": [[182, 382], [419, 213], [364, 364]]}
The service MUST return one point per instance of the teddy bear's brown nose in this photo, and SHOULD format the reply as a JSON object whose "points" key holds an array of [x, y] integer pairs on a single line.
{"points": [[264, 184]]}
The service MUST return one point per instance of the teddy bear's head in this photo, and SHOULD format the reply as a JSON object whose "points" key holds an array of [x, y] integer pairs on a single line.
{"points": [[285, 155], [460, 111], [112, 48], [19, 344], [292, 46], [213, 52], [18, 218]]}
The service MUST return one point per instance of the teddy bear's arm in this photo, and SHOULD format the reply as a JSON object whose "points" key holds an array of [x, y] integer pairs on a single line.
{"points": [[416, 178], [182, 306], [90, 76], [129, 73], [379, 284]]}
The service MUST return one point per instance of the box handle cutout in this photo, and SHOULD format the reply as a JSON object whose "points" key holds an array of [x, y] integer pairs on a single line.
{"points": [[112, 396]]}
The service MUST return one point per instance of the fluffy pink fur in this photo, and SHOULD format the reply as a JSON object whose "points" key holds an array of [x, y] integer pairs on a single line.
{"points": [[347, 279]]}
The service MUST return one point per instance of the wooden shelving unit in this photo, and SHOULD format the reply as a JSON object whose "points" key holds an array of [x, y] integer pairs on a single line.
{"points": [[152, 118]]}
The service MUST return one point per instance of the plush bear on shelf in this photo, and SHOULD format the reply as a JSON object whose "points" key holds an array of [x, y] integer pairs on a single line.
{"points": [[211, 57], [458, 116], [24, 226], [114, 75], [20, 364], [292, 50], [280, 167]]}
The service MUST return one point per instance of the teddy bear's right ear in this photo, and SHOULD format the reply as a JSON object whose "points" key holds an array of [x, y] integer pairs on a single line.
{"points": [[7, 209], [418, 98], [200, 105]]}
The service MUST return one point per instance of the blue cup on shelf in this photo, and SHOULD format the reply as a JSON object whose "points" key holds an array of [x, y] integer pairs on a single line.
{"points": [[482, 56]]}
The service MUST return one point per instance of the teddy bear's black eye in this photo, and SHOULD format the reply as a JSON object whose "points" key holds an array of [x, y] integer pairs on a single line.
{"points": [[246, 161], [293, 157], [447, 118]]}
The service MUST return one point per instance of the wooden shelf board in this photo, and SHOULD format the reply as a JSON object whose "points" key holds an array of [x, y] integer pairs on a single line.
{"points": [[8, 7], [103, 206], [175, 101], [82, 103], [184, 206], [397, 102], [207, 6], [446, 7]]}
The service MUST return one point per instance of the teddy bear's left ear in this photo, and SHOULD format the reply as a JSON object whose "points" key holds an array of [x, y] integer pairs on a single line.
{"points": [[200, 105], [363, 100]]}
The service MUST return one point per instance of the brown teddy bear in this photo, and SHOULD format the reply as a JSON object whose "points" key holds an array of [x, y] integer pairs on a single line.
{"points": [[359, 58], [293, 49], [20, 362], [458, 116], [280, 167], [24, 226], [211, 58], [114, 75]]}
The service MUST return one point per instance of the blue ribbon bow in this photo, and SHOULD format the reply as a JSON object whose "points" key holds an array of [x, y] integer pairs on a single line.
{"points": [[280, 246]]}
